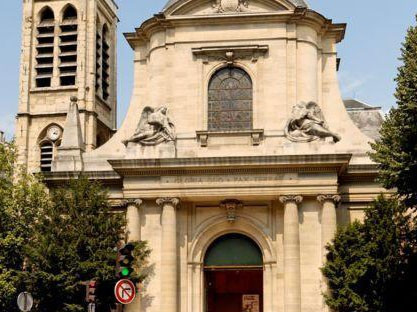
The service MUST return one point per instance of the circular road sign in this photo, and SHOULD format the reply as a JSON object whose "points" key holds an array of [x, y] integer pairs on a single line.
{"points": [[125, 291], [25, 301]]}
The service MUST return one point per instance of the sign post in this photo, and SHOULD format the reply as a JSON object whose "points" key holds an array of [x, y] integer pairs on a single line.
{"points": [[25, 301], [124, 291]]}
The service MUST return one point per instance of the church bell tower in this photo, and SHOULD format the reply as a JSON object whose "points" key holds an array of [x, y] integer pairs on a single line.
{"points": [[68, 50]]}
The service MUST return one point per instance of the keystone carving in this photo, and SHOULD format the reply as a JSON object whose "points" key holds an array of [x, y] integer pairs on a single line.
{"points": [[226, 6], [307, 124], [154, 127], [231, 205]]}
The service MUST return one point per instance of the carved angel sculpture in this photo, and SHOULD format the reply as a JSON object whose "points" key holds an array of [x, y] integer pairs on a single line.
{"points": [[154, 127], [307, 124]]}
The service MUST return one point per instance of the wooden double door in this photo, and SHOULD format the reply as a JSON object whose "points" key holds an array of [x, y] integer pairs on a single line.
{"points": [[234, 290]]}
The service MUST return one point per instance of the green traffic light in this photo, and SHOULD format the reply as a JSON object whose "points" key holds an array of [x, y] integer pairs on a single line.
{"points": [[125, 272]]}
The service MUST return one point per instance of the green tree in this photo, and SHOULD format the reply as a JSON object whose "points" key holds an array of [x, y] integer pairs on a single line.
{"points": [[75, 241], [51, 241], [22, 200], [371, 265], [396, 151]]}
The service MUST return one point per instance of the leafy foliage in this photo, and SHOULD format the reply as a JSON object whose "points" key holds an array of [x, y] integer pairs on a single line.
{"points": [[396, 152], [52, 241], [371, 265], [22, 201], [75, 241]]}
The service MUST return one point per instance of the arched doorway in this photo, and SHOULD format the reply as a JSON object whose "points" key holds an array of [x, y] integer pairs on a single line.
{"points": [[233, 270]]}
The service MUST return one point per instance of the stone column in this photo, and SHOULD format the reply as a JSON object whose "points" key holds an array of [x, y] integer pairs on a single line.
{"points": [[169, 293], [134, 235], [133, 220], [328, 219], [328, 230], [292, 273]]}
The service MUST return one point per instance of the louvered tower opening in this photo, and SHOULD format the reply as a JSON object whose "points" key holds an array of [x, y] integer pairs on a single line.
{"points": [[47, 154], [105, 65], [68, 47], [45, 49], [98, 57]]}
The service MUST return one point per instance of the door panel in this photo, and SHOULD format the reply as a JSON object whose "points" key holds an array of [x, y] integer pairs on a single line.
{"points": [[225, 289]]}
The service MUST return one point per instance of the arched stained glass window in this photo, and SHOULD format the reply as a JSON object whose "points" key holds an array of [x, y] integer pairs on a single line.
{"points": [[230, 100], [233, 250]]}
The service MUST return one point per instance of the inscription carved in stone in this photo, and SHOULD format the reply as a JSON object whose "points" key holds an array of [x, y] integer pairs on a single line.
{"points": [[154, 128], [307, 124]]}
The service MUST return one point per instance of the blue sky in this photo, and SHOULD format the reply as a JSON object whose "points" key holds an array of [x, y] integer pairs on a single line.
{"points": [[369, 52]]}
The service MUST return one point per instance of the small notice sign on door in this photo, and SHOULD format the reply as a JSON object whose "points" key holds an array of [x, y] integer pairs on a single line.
{"points": [[250, 303]]}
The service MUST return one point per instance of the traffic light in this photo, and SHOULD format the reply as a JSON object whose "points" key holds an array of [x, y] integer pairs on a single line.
{"points": [[91, 291], [125, 261]]}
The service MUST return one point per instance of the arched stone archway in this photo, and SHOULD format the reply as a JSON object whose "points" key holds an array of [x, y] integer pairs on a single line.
{"points": [[204, 238]]}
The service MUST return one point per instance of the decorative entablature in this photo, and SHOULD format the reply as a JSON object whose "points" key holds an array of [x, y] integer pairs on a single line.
{"points": [[299, 16]]}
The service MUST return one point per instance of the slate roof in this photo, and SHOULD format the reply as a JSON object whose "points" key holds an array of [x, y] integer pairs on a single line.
{"points": [[355, 104], [297, 3], [366, 117]]}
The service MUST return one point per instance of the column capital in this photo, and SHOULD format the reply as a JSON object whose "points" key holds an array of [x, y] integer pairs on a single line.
{"points": [[291, 198], [335, 198], [131, 201], [168, 200], [136, 202]]}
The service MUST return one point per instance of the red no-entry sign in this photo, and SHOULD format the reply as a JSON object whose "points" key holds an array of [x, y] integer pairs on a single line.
{"points": [[125, 291]]}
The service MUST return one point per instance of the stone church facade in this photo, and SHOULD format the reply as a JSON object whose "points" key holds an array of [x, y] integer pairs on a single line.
{"points": [[237, 159]]}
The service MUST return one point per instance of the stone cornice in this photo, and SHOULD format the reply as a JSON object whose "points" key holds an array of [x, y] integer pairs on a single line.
{"points": [[357, 172], [300, 16], [60, 178], [218, 165]]}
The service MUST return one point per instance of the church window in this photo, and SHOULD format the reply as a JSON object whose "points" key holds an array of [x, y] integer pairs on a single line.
{"points": [[47, 153], [105, 63], [230, 100], [45, 48], [68, 47]]}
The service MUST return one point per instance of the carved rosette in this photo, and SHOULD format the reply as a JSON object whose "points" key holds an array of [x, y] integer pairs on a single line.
{"points": [[231, 206], [332, 198], [168, 201], [291, 198]]}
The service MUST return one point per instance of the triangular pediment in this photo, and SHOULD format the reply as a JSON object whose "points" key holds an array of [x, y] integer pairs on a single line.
{"points": [[210, 7]]}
